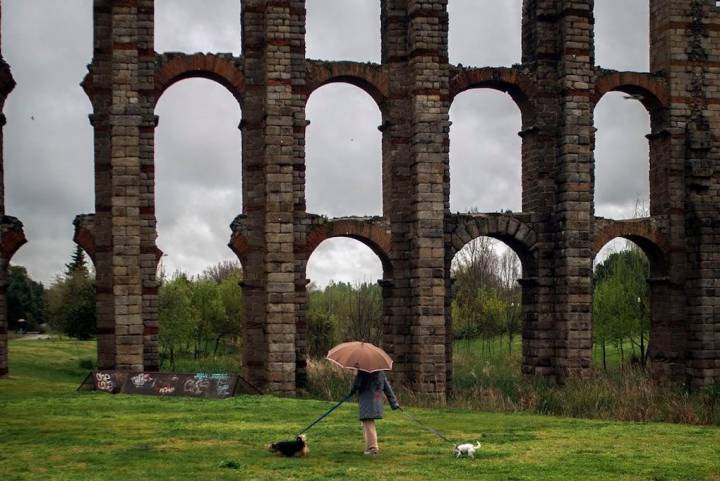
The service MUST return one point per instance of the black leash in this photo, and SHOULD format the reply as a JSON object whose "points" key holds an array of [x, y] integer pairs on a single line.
{"points": [[425, 426], [325, 414]]}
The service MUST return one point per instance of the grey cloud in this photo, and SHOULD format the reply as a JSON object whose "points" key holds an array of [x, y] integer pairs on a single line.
{"points": [[485, 155], [343, 260], [621, 156], [485, 32], [192, 26], [343, 30], [344, 153], [622, 34], [48, 139]]}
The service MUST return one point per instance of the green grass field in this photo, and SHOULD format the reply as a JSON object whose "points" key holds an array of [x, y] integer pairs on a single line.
{"points": [[48, 431]]}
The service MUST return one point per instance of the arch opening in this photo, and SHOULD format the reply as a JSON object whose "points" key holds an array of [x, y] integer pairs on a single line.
{"points": [[622, 35], [625, 299], [342, 300], [343, 153], [494, 30], [343, 30], [622, 158], [191, 26], [47, 129], [485, 153], [198, 193], [486, 305], [199, 169]]}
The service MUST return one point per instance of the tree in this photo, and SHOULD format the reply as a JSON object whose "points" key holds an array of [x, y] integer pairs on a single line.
{"points": [[207, 312], [174, 317], [77, 264], [620, 302], [232, 301], [24, 298], [70, 305], [222, 271]]}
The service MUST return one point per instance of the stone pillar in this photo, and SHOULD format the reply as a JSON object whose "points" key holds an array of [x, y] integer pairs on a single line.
{"points": [[539, 147], [396, 186], [120, 78], [11, 229], [296, 105], [6, 86], [685, 41], [428, 73], [574, 173], [269, 149]]}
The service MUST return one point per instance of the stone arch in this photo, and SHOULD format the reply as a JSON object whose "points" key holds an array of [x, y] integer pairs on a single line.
{"points": [[516, 232], [666, 298], [374, 233], [223, 69], [651, 91], [513, 231], [369, 77], [642, 232], [509, 80]]}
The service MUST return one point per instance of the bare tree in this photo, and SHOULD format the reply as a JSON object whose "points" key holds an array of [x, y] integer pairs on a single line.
{"points": [[222, 270]]}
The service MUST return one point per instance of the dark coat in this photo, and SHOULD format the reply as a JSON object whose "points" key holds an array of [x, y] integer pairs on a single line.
{"points": [[369, 388]]}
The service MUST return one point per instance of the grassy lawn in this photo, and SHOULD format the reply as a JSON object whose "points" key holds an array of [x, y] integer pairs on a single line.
{"points": [[50, 432]]}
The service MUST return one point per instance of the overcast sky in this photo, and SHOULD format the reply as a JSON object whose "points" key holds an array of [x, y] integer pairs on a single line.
{"points": [[49, 142]]}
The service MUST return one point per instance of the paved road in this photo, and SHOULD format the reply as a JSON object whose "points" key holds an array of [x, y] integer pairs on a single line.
{"points": [[32, 337]]}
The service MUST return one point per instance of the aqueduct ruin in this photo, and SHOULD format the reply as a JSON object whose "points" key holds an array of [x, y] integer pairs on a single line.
{"points": [[556, 236]]}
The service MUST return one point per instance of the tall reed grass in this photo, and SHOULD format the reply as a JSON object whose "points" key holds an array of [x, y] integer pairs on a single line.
{"points": [[491, 381]]}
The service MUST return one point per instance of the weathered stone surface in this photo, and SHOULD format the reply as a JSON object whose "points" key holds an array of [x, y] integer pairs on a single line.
{"points": [[556, 235]]}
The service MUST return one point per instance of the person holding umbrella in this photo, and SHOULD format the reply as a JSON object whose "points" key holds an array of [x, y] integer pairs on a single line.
{"points": [[370, 383]]}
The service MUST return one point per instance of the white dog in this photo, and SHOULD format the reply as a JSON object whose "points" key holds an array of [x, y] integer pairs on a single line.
{"points": [[466, 449]]}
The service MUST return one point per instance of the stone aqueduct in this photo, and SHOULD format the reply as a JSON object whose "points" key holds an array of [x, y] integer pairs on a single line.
{"points": [[556, 235]]}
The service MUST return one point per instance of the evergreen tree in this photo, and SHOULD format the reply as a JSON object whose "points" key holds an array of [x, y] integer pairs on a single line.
{"points": [[77, 264]]}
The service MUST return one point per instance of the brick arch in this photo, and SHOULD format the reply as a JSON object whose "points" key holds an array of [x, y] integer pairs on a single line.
{"points": [[220, 68], [240, 246], [12, 237], [642, 232], [509, 80], [86, 240], [373, 234], [516, 233], [370, 78], [651, 91]]}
